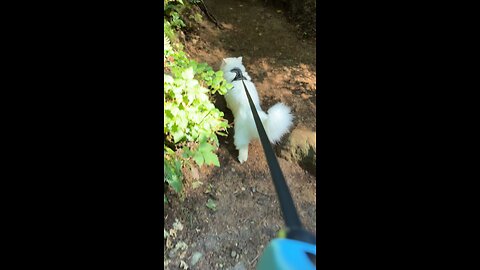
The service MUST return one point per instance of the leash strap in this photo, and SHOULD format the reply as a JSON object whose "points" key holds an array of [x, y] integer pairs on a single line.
{"points": [[287, 206]]}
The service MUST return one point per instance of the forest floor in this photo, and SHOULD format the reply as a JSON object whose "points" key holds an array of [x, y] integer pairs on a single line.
{"points": [[246, 215]]}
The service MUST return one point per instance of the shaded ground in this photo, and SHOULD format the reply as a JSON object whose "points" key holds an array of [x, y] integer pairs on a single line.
{"points": [[247, 215]]}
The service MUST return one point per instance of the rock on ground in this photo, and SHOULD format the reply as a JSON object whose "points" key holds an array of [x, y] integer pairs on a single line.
{"points": [[301, 147], [240, 266]]}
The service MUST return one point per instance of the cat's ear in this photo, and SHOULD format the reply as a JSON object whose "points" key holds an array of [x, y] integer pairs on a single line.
{"points": [[240, 58]]}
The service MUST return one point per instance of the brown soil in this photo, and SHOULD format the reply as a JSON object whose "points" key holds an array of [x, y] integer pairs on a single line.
{"points": [[247, 215]]}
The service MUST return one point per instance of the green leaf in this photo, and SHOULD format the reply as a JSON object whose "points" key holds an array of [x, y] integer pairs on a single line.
{"points": [[178, 135], [187, 152], [217, 81], [191, 84], [205, 147], [190, 97], [174, 111], [188, 74], [211, 159], [169, 151], [173, 174], [211, 204], [167, 79], [198, 157]]}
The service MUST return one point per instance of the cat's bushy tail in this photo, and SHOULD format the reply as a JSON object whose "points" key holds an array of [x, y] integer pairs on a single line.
{"points": [[278, 122]]}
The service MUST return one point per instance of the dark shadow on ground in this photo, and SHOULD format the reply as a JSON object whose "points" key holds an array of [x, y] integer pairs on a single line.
{"points": [[254, 31]]}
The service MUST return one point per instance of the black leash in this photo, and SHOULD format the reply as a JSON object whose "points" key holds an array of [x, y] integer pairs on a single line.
{"points": [[292, 221]]}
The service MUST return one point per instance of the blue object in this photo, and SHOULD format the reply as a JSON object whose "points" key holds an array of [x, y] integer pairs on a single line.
{"points": [[287, 254]]}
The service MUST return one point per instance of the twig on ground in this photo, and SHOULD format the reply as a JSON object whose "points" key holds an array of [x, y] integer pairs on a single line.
{"points": [[203, 7], [255, 258]]}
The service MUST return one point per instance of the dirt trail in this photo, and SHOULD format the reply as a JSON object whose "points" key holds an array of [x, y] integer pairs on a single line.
{"points": [[247, 215]]}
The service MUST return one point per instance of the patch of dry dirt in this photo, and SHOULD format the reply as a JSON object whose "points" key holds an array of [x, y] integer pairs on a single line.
{"points": [[247, 215]]}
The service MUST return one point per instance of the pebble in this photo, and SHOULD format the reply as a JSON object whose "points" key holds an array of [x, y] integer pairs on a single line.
{"points": [[195, 258], [233, 254], [240, 266]]}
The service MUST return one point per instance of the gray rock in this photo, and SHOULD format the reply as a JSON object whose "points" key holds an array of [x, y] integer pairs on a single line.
{"points": [[240, 266], [195, 258], [233, 254], [172, 254], [301, 148]]}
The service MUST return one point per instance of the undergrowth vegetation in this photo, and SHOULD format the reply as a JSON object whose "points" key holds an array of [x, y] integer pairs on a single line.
{"points": [[191, 120]]}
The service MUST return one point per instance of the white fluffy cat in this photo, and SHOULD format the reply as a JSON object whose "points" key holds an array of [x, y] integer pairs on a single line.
{"points": [[277, 121]]}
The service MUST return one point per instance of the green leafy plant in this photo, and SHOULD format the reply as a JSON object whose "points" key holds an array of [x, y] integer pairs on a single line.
{"points": [[175, 11], [172, 10], [191, 120]]}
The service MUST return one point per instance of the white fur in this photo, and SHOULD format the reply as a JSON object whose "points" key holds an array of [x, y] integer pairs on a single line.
{"points": [[276, 123]]}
